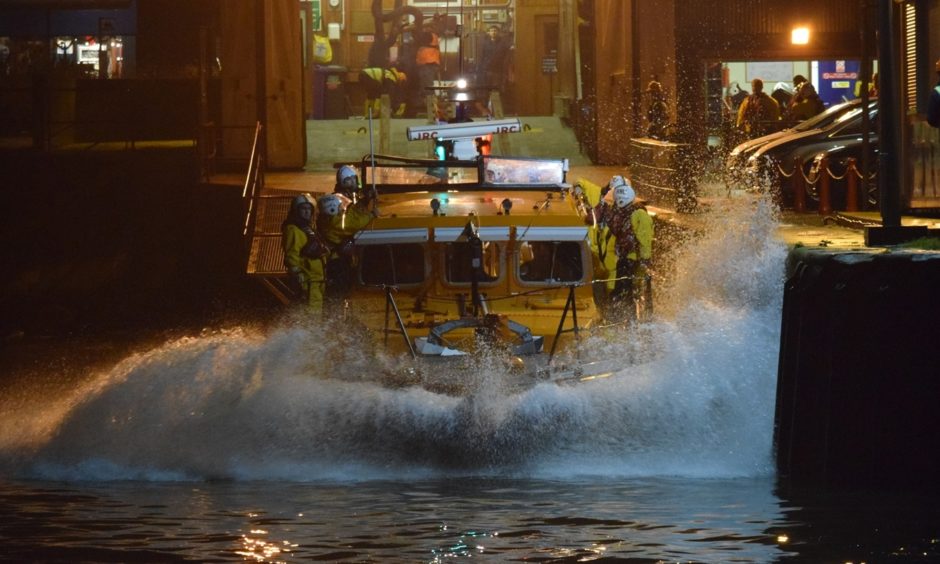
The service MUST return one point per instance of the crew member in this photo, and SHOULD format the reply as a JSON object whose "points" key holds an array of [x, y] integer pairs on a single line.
{"points": [[378, 81], [338, 221], [347, 182], [304, 254], [933, 104], [759, 113], [632, 227], [657, 114]]}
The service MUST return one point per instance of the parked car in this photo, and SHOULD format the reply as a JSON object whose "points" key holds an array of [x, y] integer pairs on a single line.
{"points": [[738, 156], [769, 164]]}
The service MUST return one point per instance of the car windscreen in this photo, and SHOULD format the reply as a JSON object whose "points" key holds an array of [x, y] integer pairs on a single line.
{"points": [[825, 118], [854, 126]]}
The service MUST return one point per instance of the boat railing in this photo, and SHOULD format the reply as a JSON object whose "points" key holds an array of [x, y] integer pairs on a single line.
{"points": [[254, 184], [569, 304], [391, 306]]}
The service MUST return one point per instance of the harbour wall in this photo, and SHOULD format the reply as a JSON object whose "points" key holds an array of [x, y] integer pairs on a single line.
{"points": [[859, 374], [100, 240]]}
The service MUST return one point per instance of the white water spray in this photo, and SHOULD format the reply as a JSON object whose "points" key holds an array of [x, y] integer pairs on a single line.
{"points": [[283, 405]]}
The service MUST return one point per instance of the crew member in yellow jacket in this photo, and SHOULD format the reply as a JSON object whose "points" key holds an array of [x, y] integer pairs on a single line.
{"points": [[338, 221], [304, 253], [632, 227]]}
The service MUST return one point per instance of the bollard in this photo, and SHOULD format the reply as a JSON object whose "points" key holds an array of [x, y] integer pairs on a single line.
{"points": [[798, 185], [851, 186], [825, 185]]}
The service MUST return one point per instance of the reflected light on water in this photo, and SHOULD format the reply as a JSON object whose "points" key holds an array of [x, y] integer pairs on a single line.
{"points": [[261, 550]]}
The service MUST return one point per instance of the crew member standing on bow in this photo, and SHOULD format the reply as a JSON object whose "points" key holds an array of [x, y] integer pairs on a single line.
{"points": [[304, 254], [632, 227]]}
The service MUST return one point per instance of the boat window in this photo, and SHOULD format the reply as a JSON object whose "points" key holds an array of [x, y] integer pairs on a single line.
{"points": [[550, 261], [392, 264], [505, 170], [459, 260]]}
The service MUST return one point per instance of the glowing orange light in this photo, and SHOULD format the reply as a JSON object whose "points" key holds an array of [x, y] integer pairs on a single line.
{"points": [[799, 36]]}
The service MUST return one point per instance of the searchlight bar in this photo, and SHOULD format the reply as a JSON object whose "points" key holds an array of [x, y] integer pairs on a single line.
{"points": [[467, 130]]}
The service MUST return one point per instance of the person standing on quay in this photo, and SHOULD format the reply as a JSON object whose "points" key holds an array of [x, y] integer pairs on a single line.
{"points": [[933, 105]]}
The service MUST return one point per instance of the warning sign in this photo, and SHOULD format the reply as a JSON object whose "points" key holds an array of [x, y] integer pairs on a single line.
{"points": [[840, 75]]}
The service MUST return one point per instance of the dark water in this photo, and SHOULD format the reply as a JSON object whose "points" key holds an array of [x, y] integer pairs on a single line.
{"points": [[460, 518], [276, 443]]}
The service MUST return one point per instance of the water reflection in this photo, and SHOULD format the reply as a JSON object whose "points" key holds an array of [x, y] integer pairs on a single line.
{"points": [[431, 521]]}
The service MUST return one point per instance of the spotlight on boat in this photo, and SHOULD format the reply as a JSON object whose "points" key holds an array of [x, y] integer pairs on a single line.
{"points": [[461, 83], [506, 204], [516, 365]]}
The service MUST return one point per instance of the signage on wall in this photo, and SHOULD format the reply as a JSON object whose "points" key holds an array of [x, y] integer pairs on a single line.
{"points": [[549, 65], [836, 80], [769, 72], [316, 14]]}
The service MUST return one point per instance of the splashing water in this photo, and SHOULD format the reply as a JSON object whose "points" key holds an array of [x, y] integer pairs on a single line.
{"points": [[283, 405]]}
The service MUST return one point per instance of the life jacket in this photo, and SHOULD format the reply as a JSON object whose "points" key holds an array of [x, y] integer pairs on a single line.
{"points": [[620, 225], [315, 247]]}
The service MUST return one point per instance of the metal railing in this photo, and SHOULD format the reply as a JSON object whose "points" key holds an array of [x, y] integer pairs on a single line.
{"points": [[254, 185]]}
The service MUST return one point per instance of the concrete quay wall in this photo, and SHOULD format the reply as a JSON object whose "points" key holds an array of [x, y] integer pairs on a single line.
{"points": [[859, 373]]}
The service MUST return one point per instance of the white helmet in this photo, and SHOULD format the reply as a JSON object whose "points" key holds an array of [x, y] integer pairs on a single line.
{"points": [[331, 204], [302, 199], [347, 181], [623, 192]]}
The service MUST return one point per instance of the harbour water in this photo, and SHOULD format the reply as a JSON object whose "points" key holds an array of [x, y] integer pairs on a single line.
{"points": [[277, 443]]}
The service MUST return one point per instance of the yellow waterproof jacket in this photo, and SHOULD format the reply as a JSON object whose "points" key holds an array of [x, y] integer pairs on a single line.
{"points": [[643, 229], [335, 229], [767, 112], [293, 241], [603, 243]]}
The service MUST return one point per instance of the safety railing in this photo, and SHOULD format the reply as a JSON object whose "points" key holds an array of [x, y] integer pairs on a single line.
{"points": [[828, 187], [254, 185]]}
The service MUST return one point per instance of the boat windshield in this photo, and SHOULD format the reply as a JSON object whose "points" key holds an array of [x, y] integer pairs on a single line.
{"points": [[550, 261], [393, 264], [504, 170], [459, 260]]}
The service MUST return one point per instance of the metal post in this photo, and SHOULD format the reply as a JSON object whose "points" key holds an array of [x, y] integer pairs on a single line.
{"points": [[888, 98], [825, 185], [866, 84], [890, 123], [798, 185], [851, 186]]}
